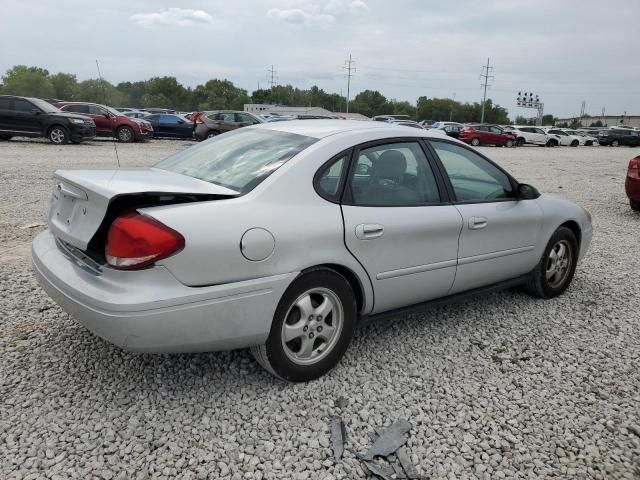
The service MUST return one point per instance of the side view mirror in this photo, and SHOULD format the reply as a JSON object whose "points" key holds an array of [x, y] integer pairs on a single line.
{"points": [[36, 111], [106, 115], [527, 192], [363, 169]]}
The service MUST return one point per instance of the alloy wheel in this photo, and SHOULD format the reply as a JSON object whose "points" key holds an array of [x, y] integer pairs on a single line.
{"points": [[559, 263], [57, 136], [312, 326]]}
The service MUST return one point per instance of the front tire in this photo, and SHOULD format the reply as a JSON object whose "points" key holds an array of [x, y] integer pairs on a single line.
{"points": [[552, 143], [509, 143], [58, 135], [125, 135], [520, 142], [575, 143], [5, 137], [635, 205], [615, 143], [475, 142], [557, 266], [312, 327]]}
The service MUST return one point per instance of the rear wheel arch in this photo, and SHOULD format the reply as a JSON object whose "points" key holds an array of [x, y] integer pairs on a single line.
{"points": [[349, 275]]}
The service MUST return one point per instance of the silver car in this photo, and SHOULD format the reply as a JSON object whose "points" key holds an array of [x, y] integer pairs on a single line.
{"points": [[283, 236]]}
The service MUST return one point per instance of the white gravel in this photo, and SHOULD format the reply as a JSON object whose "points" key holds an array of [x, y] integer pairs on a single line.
{"points": [[504, 386]]}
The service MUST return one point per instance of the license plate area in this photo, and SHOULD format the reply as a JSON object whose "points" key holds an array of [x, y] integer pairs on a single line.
{"points": [[68, 205]]}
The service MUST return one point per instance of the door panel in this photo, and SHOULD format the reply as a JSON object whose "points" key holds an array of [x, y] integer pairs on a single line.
{"points": [[410, 254], [397, 227], [503, 247]]}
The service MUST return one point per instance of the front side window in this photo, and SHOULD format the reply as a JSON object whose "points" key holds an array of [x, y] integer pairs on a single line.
{"points": [[238, 160], [95, 110], [394, 174], [169, 120], [473, 178], [243, 117], [495, 130], [21, 105]]}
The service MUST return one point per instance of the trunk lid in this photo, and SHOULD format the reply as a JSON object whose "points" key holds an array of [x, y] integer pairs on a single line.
{"points": [[81, 199]]}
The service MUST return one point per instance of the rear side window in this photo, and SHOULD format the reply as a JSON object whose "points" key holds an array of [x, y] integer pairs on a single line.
{"points": [[95, 110], [76, 108], [238, 160], [329, 178], [169, 119]]}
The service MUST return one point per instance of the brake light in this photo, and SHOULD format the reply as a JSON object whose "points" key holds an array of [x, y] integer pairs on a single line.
{"points": [[135, 241], [634, 164], [198, 117]]}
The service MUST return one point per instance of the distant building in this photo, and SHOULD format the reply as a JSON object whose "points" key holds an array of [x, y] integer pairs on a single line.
{"points": [[268, 109], [608, 120], [351, 116]]}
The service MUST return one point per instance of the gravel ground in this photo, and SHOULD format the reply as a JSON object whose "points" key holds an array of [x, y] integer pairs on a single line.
{"points": [[504, 386]]}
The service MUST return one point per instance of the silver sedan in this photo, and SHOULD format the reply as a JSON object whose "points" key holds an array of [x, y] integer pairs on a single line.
{"points": [[282, 237]]}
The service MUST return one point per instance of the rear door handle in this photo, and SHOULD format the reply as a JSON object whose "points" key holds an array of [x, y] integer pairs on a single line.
{"points": [[476, 223], [368, 231]]}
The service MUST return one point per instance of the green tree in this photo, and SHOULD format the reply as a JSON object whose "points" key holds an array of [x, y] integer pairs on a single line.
{"points": [[100, 91], [369, 103], [219, 94], [65, 86], [548, 120], [596, 124], [27, 81]]}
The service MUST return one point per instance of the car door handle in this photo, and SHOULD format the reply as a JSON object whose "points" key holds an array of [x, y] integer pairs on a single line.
{"points": [[476, 223], [369, 231]]}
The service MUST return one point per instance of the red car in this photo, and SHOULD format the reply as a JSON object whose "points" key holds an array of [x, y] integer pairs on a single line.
{"points": [[478, 134], [110, 122], [632, 184]]}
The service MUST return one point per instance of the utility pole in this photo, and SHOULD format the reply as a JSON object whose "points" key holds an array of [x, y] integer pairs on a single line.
{"points": [[583, 107], [271, 76], [602, 118], [485, 75], [349, 66], [451, 111]]}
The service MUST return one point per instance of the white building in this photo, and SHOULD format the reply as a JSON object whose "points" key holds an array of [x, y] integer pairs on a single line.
{"points": [[607, 120], [268, 109]]}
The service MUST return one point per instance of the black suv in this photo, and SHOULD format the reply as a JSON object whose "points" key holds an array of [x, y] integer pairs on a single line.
{"points": [[32, 117], [619, 136]]}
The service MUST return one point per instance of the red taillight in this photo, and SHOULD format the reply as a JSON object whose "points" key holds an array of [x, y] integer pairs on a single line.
{"points": [[198, 117], [634, 164], [135, 241]]}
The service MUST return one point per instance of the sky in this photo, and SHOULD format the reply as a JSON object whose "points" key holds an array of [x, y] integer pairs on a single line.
{"points": [[565, 51]]}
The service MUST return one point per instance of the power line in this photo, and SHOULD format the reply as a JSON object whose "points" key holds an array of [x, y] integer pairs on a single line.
{"points": [[272, 78], [104, 96], [349, 66], [485, 74]]}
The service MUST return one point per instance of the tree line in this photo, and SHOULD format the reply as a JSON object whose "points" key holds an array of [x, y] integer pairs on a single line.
{"points": [[168, 92]]}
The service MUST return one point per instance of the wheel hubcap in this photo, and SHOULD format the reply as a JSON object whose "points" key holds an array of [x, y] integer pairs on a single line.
{"points": [[57, 135], [312, 326], [125, 134], [559, 263]]}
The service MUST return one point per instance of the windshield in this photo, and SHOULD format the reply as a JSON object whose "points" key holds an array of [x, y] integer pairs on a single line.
{"points": [[44, 106], [238, 160]]}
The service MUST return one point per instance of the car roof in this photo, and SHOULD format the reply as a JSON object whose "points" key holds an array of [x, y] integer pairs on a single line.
{"points": [[325, 128]]}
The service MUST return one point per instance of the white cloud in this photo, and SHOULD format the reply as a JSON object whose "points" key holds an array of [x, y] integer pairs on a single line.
{"points": [[297, 16], [323, 15], [174, 17]]}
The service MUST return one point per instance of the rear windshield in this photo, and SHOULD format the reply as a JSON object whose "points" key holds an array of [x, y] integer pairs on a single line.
{"points": [[238, 160]]}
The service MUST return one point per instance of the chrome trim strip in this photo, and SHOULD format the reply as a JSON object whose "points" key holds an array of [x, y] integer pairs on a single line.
{"points": [[492, 255], [417, 269]]}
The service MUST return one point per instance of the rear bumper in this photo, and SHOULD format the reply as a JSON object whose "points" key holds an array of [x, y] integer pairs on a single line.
{"points": [[80, 133], [150, 311]]}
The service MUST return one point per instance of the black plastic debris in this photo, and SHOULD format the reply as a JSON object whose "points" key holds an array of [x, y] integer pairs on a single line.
{"points": [[382, 471], [389, 440], [408, 467], [338, 437]]}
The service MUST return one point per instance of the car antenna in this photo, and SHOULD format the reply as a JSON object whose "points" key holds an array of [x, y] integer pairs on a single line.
{"points": [[104, 96]]}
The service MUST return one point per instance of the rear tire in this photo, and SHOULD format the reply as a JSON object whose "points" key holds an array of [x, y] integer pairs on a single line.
{"points": [[635, 205], [211, 134], [125, 135], [312, 327], [5, 137], [553, 274], [58, 135], [509, 143], [575, 143], [475, 141], [520, 142], [615, 143], [552, 143]]}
